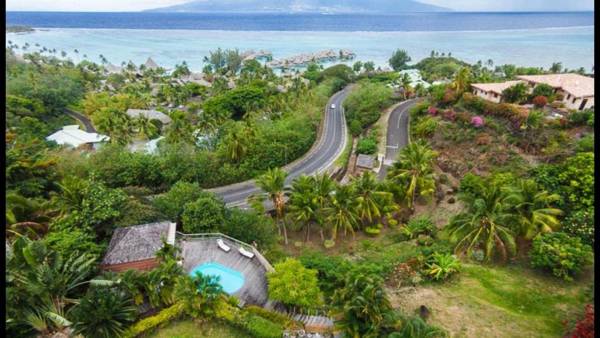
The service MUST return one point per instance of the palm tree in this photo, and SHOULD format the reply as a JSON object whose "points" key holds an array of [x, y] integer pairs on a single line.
{"points": [[273, 184], [103, 312], [370, 202], [324, 187], [532, 208], [180, 129], [145, 127], [341, 213], [462, 80], [199, 294], [235, 145], [485, 225], [303, 202], [27, 216], [360, 306], [414, 169]]}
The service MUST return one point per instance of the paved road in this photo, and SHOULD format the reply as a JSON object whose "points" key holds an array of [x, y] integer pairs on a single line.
{"points": [[328, 148], [397, 134], [89, 127]]}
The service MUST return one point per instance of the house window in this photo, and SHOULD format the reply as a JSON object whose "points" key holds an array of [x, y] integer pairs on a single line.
{"points": [[574, 99], [568, 96]]}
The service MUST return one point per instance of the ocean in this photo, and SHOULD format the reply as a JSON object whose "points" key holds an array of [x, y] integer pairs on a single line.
{"points": [[526, 39]]}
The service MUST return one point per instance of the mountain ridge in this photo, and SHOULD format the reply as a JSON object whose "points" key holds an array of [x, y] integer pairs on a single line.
{"points": [[302, 6]]}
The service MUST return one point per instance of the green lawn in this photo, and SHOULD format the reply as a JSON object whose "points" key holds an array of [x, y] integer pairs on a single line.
{"points": [[494, 301], [193, 329]]}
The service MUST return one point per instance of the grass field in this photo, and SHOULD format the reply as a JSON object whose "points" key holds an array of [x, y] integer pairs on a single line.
{"points": [[494, 301], [193, 329]]}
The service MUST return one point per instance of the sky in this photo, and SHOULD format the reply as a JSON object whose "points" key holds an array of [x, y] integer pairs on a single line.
{"points": [[136, 5]]}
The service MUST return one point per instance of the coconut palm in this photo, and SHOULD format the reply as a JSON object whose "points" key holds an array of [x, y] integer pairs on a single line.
{"points": [[199, 294], [180, 129], [532, 208], [273, 184], [71, 195], [360, 306], [235, 145], [414, 171], [462, 80], [484, 225], [341, 212], [370, 201], [303, 203], [324, 187], [145, 127]]}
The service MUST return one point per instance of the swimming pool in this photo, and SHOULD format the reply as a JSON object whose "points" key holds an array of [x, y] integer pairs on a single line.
{"points": [[231, 280]]}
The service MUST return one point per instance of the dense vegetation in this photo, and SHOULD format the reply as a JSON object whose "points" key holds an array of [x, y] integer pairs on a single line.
{"points": [[513, 194]]}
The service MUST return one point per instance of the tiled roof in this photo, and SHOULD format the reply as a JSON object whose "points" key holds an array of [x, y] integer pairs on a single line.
{"points": [[150, 114], [497, 88], [574, 84]]}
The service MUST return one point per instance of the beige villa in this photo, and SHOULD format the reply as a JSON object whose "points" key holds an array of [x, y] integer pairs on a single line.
{"points": [[492, 91], [577, 90]]}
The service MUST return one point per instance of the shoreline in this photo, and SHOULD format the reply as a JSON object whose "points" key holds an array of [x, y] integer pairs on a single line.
{"points": [[300, 32]]}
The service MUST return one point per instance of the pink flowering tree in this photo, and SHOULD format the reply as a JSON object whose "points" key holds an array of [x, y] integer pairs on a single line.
{"points": [[477, 121]]}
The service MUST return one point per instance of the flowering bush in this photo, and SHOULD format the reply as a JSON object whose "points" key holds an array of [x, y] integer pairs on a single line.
{"points": [[432, 111], [477, 121], [581, 224], [561, 253], [585, 327], [540, 101], [463, 117], [449, 115]]}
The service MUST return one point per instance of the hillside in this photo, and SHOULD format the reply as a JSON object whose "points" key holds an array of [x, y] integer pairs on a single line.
{"points": [[303, 6]]}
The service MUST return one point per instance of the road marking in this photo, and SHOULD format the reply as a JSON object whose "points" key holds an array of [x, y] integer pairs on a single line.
{"points": [[393, 147]]}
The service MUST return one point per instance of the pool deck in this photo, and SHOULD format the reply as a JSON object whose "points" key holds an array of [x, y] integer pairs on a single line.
{"points": [[197, 251]]}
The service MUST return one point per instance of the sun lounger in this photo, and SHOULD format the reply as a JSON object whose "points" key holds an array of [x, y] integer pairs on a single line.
{"points": [[246, 252], [222, 245]]}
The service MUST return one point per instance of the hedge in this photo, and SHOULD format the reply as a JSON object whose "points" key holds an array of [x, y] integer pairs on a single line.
{"points": [[165, 316]]}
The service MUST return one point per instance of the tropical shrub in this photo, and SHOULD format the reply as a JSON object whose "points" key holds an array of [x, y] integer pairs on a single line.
{"points": [[272, 316], [103, 312], [415, 326], [433, 111], [539, 101], [544, 90], [355, 127], [441, 266], [206, 214], [367, 145], [581, 118], [360, 306], [164, 317], [293, 284], [249, 226], [581, 224], [425, 127], [515, 94], [418, 226], [372, 231], [365, 103], [564, 255], [585, 144], [199, 294], [172, 202], [449, 115], [262, 328]]}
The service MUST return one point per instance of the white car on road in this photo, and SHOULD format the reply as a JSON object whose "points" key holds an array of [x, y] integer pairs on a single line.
{"points": [[333, 106]]}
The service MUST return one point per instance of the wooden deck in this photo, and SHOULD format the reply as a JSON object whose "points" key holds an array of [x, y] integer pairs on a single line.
{"points": [[197, 251]]}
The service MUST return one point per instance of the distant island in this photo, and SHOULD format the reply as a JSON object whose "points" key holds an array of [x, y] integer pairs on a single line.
{"points": [[19, 29], [303, 6]]}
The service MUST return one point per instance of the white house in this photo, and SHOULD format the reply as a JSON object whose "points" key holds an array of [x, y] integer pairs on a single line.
{"points": [[577, 90], [415, 78], [74, 137], [492, 91]]}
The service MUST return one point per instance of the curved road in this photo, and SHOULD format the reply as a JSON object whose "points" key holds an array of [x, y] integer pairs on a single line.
{"points": [[397, 134], [324, 152], [89, 127]]}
